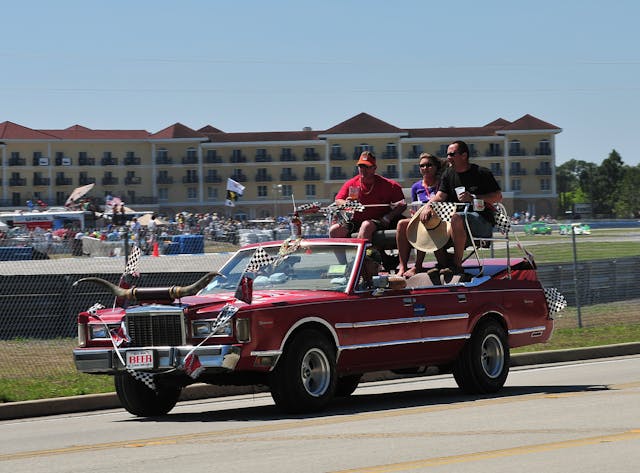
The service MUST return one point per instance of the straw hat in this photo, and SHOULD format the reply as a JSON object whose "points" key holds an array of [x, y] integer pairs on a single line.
{"points": [[430, 236]]}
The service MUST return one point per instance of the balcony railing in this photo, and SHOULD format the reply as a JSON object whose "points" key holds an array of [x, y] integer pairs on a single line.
{"points": [[83, 181], [518, 172], [164, 160], [132, 180], [311, 157], [312, 177], [132, 161], [543, 152], [263, 178], [390, 155], [288, 177], [517, 152], [263, 158], [141, 200], [41, 181], [86, 161], [338, 157], [17, 162], [390, 174], [212, 179], [288, 157], [109, 181], [212, 159], [413, 155], [109, 161], [338, 175], [496, 172], [189, 179], [189, 160], [238, 158], [239, 177], [64, 181], [493, 153], [543, 172], [164, 180]]}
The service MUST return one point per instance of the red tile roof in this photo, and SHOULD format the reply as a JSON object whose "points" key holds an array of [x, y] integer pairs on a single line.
{"points": [[78, 132], [253, 137], [13, 131], [362, 123], [177, 130], [209, 129], [529, 122]]}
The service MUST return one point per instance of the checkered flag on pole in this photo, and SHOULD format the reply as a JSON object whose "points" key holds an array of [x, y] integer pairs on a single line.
{"points": [[503, 222], [133, 261], [555, 300], [259, 259], [444, 210]]}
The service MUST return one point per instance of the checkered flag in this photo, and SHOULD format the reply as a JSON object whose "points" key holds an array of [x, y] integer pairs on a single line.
{"points": [[143, 377], [259, 259], [309, 208], [133, 261], [555, 300], [444, 210], [351, 205], [503, 222]]}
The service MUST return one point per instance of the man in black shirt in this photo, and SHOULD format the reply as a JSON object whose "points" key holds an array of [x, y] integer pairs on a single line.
{"points": [[478, 183]]}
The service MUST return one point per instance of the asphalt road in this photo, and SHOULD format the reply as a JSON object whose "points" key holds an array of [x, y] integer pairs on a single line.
{"points": [[577, 416]]}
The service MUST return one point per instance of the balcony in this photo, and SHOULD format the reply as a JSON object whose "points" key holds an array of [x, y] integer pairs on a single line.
{"points": [[164, 160], [413, 155], [40, 161], [189, 179], [543, 152], [109, 181], [338, 156], [41, 181], [390, 174], [132, 180], [312, 177], [288, 157], [86, 161], [308, 156], [212, 159], [263, 178], [17, 162], [132, 161], [189, 160], [164, 180], [338, 175], [493, 153], [517, 152], [390, 155], [212, 179], [238, 158], [518, 172], [63, 161], [83, 181], [64, 181], [263, 158], [141, 200], [109, 161], [239, 177], [496, 172], [543, 172], [288, 177]]}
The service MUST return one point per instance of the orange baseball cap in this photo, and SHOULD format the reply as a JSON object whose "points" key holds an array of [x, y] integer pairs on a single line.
{"points": [[367, 158]]}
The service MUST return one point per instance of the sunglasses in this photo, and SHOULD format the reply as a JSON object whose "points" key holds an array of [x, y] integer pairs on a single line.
{"points": [[454, 153], [427, 165]]}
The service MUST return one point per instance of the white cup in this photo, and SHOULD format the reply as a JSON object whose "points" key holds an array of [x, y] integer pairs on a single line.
{"points": [[414, 207], [459, 191], [478, 205]]}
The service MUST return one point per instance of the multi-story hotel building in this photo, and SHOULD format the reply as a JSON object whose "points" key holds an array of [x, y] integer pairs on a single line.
{"points": [[178, 168]]}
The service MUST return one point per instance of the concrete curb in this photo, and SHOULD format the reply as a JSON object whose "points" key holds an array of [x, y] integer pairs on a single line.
{"points": [[94, 402]]}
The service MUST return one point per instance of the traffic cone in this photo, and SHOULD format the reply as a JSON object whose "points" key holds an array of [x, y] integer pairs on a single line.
{"points": [[156, 251]]}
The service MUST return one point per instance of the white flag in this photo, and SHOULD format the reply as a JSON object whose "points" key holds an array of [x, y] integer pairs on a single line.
{"points": [[234, 190]]}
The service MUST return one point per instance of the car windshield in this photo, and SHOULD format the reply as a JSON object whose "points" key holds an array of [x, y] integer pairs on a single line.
{"points": [[305, 266]]}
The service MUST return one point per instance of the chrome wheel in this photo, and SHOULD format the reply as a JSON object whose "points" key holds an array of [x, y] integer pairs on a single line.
{"points": [[492, 357], [315, 372]]}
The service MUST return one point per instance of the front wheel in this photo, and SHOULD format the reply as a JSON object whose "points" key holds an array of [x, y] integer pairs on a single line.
{"points": [[483, 364], [305, 379], [140, 400]]}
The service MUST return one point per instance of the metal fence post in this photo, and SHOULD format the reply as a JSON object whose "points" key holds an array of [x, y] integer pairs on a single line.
{"points": [[575, 274]]}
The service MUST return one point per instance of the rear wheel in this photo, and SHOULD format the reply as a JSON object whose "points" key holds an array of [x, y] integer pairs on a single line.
{"points": [[483, 365], [140, 400], [305, 378]]}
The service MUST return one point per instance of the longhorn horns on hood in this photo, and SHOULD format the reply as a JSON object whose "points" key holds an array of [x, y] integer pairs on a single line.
{"points": [[154, 293]]}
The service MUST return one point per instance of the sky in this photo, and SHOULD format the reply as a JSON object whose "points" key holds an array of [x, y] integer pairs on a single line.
{"points": [[272, 65]]}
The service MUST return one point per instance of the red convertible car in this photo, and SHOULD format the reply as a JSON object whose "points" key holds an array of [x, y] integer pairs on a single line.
{"points": [[307, 318]]}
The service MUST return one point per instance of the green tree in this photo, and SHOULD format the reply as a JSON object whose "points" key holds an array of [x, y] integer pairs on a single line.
{"points": [[605, 184], [573, 180], [627, 204]]}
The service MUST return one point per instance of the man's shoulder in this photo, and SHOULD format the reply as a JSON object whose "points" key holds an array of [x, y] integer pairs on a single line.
{"points": [[387, 181]]}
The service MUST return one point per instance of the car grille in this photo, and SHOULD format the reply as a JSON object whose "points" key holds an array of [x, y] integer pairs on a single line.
{"points": [[155, 328]]}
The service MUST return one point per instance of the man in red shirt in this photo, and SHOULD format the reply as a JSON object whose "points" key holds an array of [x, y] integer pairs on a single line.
{"points": [[383, 200]]}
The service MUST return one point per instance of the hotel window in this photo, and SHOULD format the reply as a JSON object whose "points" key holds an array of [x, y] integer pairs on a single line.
{"points": [[192, 175], [515, 185], [514, 148], [545, 184], [442, 152], [544, 148], [336, 151], [261, 175], [192, 193], [162, 155], [163, 193], [262, 191], [191, 153], [287, 190], [391, 151], [212, 193], [495, 169], [494, 149], [310, 190], [472, 150]]}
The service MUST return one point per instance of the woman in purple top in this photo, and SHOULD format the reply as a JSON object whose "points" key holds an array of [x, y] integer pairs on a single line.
{"points": [[431, 168]]}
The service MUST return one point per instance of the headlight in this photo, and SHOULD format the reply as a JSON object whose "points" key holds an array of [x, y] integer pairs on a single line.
{"points": [[101, 332], [203, 328]]}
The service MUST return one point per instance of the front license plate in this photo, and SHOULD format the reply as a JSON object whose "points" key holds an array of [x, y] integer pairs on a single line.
{"points": [[140, 359]]}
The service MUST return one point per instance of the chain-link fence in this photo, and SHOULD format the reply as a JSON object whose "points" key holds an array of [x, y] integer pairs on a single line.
{"points": [[39, 304]]}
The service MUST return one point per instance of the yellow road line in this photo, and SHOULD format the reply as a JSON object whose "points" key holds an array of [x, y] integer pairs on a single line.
{"points": [[492, 454]]}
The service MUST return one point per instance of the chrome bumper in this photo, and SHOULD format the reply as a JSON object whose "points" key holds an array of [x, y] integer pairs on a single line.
{"points": [[105, 360]]}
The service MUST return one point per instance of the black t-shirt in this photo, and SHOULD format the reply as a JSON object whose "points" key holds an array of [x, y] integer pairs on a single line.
{"points": [[476, 180]]}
